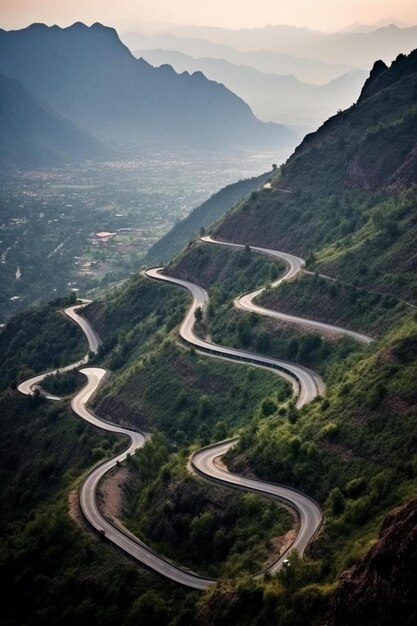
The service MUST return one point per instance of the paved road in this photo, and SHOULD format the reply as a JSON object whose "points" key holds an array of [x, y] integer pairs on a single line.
{"points": [[307, 383], [310, 383], [309, 512], [118, 535], [88, 492], [27, 386], [295, 266]]}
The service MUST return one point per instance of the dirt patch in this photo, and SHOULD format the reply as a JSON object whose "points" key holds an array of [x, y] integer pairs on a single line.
{"points": [[218, 462], [112, 494], [75, 513], [280, 545], [114, 409]]}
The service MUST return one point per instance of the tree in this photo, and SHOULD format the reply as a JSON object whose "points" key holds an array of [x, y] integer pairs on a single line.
{"points": [[336, 501], [198, 314]]}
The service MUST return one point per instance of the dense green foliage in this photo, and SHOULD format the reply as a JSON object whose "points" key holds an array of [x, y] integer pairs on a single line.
{"points": [[40, 339], [214, 530], [225, 271], [336, 303], [187, 396], [63, 384], [264, 335], [131, 317], [42, 448], [380, 255], [355, 450], [62, 574]]}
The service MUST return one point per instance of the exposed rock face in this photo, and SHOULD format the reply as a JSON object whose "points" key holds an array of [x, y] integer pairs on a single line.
{"points": [[380, 590]]}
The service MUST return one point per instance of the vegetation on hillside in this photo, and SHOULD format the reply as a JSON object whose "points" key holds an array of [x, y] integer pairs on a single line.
{"points": [[201, 217], [187, 396], [348, 201], [37, 340], [225, 271], [214, 530], [336, 303], [354, 449]]}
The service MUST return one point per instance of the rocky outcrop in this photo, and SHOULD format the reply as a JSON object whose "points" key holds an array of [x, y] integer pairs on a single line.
{"points": [[380, 590], [378, 68]]}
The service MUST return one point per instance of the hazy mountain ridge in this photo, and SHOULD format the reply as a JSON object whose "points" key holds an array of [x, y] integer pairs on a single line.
{"points": [[354, 47], [32, 135], [89, 76], [272, 96], [305, 69]]}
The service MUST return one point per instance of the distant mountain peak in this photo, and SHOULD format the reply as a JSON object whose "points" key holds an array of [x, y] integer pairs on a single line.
{"points": [[90, 77]]}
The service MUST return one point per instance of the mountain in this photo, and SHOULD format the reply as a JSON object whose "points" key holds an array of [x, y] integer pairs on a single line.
{"points": [[361, 49], [88, 75], [271, 96], [32, 135], [271, 62], [277, 38], [358, 27], [202, 216], [358, 48], [347, 200], [353, 448], [369, 149]]}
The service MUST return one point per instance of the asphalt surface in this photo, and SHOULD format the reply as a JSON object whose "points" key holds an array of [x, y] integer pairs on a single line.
{"points": [[309, 512], [310, 384], [27, 386], [306, 383], [112, 532], [295, 266], [120, 537]]}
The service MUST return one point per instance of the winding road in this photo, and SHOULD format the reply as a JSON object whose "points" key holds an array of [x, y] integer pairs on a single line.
{"points": [[307, 385], [295, 267]]}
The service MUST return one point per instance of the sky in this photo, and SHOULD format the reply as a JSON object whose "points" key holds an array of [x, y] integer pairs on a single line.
{"points": [[125, 15]]}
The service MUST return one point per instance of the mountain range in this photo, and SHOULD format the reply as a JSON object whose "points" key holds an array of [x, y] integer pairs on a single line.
{"points": [[272, 97], [88, 76], [347, 47], [32, 135], [268, 61]]}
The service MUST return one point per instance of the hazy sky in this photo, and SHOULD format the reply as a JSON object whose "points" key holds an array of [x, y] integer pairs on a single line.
{"points": [[126, 14]]}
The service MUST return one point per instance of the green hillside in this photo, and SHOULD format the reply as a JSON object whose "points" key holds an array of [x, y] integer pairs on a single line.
{"points": [[201, 217], [346, 200]]}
